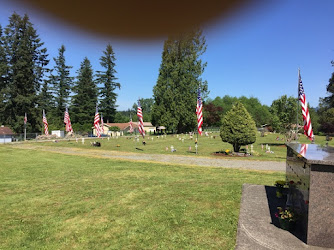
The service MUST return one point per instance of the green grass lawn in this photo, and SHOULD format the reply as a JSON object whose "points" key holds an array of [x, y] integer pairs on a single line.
{"points": [[53, 201], [207, 146]]}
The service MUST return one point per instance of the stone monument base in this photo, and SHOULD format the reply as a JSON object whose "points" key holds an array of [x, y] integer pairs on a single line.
{"points": [[258, 228]]}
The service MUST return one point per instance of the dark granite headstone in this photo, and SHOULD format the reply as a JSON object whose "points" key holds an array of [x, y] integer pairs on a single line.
{"points": [[311, 169]]}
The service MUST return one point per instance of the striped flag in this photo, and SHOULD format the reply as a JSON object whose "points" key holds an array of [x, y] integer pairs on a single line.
{"points": [[303, 149], [140, 120], [46, 125], [131, 126], [306, 115], [199, 113], [102, 124], [25, 118], [67, 121], [97, 123]]}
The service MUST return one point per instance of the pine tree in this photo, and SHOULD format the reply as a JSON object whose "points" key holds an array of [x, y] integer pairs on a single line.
{"points": [[108, 80], [85, 98], [238, 128], [175, 93], [26, 60], [4, 90], [46, 99], [61, 82]]}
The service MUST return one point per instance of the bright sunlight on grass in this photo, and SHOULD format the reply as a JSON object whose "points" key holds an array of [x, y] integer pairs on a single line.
{"points": [[207, 145], [57, 201]]}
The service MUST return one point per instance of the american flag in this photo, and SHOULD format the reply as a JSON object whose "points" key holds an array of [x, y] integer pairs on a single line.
{"points": [[199, 113], [306, 115], [303, 149], [67, 121], [25, 118], [131, 126], [97, 123], [46, 126], [140, 120], [102, 124]]}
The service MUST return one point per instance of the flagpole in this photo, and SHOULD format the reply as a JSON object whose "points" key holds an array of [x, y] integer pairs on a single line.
{"points": [[297, 123], [196, 142], [25, 127]]}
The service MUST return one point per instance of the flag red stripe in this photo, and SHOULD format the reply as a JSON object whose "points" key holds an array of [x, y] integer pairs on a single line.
{"points": [[199, 113], [46, 125], [97, 123], [305, 112], [140, 120]]}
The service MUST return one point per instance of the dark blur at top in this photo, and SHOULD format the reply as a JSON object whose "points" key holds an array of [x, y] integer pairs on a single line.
{"points": [[142, 20]]}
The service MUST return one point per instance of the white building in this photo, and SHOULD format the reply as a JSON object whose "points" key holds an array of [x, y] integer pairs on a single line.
{"points": [[6, 134]]}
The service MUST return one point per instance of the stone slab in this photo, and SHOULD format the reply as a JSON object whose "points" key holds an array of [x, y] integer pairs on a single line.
{"points": [[258, 227]]}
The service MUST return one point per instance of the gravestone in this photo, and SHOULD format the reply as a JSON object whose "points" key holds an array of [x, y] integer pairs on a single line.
{"points": [[310, 169]]}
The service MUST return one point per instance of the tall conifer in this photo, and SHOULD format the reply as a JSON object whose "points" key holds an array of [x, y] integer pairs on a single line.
{"points": [[175, 93], [85, 98], [61, 82], [26, 61], [108, 80]]}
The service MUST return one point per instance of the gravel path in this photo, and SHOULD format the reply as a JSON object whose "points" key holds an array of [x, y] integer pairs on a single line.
{"points": [[160, 158]]}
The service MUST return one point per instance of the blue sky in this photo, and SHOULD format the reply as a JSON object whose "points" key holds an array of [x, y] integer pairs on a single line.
{"points": [[256, 53]]}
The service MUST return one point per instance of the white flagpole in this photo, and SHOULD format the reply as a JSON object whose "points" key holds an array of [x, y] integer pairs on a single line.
{"points": [[297, 123], [25, 127]]}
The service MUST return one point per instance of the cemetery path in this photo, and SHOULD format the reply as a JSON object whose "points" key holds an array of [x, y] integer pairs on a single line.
{"points": [[161, 158]]}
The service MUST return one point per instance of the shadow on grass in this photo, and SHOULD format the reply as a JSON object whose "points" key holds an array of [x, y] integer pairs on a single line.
{"points": [[275, 202]]}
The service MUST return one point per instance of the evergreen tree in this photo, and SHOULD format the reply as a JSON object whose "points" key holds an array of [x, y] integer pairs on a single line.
{"points": [[46, 99], [61, 82], [26, 61], [108, 79], [175, 93], [238, 128], [85, 98], [4, 90]]}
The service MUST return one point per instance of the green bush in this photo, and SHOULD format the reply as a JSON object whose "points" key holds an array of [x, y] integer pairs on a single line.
{"points": [[238, 128]]}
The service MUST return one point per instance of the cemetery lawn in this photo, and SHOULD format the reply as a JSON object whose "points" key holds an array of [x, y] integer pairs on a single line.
{"points": [[207, 146], [55, 201]]}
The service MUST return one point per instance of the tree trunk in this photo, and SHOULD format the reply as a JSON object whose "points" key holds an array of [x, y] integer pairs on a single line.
{"points": [[236, 147]]}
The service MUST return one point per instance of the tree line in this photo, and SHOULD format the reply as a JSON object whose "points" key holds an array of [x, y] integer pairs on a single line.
{"points": [[28, 86]]}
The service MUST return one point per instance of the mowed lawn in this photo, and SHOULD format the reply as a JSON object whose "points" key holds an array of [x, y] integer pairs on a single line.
{"points": [[207, 146], [53, 201]]}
